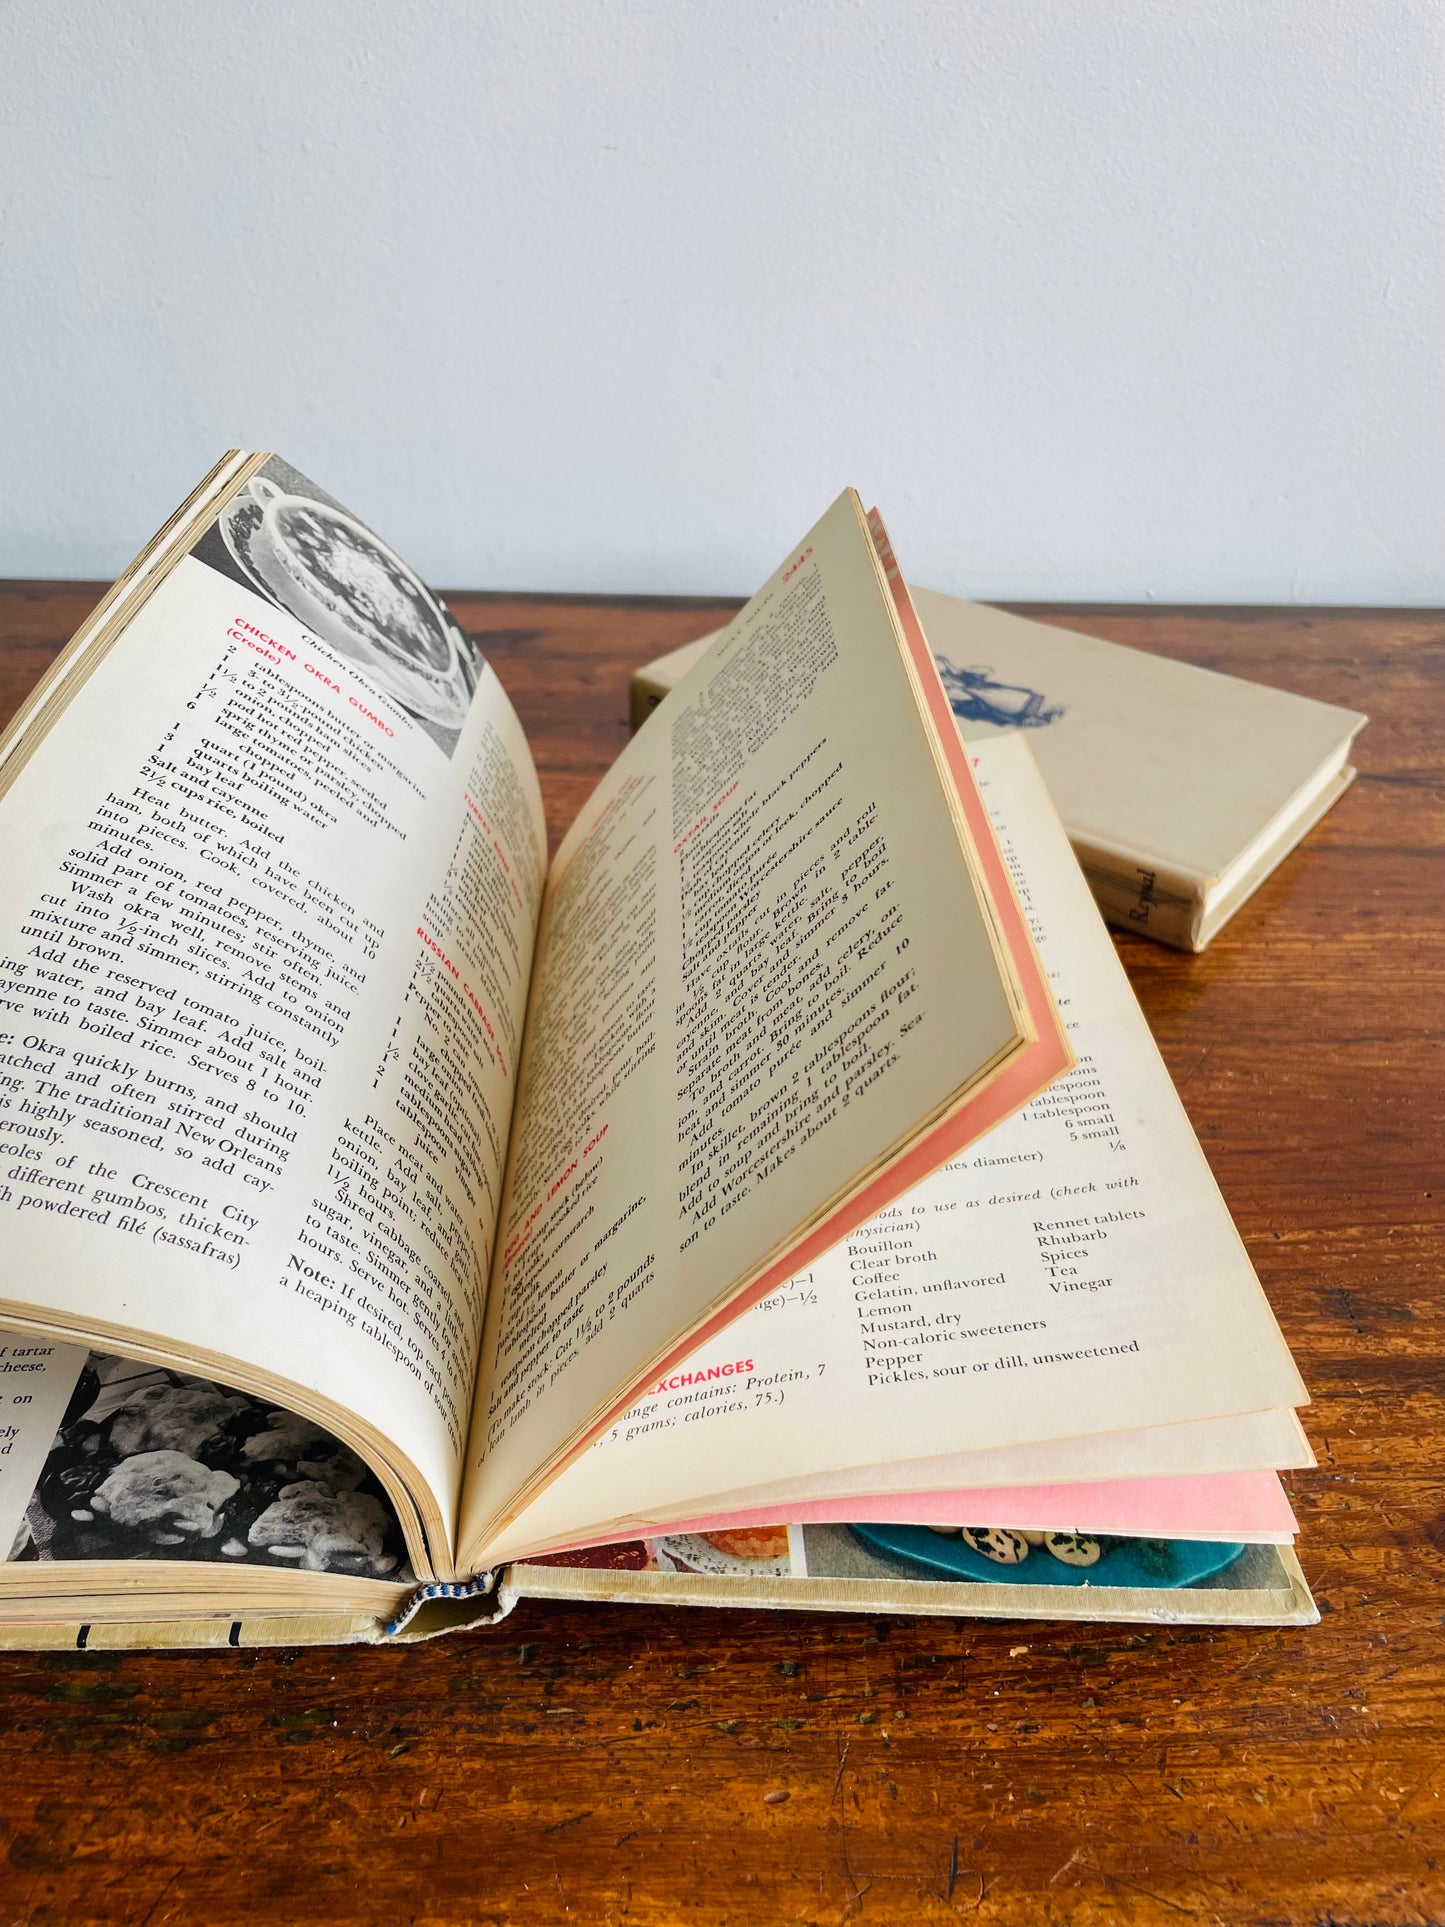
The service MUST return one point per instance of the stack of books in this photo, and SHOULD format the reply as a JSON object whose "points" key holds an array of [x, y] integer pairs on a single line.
{"points": [[776, 1198]]}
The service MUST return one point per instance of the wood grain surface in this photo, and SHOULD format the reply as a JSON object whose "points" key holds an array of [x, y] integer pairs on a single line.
{"points": [[609, 1765]]}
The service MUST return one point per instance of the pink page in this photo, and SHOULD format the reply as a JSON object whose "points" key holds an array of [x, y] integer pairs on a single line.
{"points": [[1247, 1506]]}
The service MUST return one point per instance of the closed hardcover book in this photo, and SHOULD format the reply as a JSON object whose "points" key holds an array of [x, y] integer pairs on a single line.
{"points": [[1181, 789]]}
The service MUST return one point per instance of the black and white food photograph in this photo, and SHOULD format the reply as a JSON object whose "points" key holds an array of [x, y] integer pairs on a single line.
{"points": [[299, 548], [154, 1464]]}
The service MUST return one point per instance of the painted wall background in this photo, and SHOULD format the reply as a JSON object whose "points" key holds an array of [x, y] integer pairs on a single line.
{"points": [[1097, 298]]}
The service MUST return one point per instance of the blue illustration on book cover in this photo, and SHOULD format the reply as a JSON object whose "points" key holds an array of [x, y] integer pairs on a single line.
{"points": [[975, 697]]}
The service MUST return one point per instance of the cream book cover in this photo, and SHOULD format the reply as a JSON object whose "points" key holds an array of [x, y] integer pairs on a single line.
{"points": [[1181, 789]]}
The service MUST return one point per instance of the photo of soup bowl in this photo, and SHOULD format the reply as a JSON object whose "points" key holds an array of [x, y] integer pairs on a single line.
{"points": [[331, 573]]}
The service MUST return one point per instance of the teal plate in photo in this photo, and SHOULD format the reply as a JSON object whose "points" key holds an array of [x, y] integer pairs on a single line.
{"points": [[1160, 1566]]}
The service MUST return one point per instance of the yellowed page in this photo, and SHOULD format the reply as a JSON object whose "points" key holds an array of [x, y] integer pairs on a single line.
{"points": [[265, 941], [1075, 1273], [764, 961], [1247, 1442]]}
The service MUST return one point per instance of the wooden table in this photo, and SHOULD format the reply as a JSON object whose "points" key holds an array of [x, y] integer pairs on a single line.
{"points": [[627, 1765]]}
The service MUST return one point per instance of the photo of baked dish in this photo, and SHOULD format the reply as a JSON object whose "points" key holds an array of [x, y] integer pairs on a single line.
{"points": [[154, 1464], [754, 1552], [299, 548]]}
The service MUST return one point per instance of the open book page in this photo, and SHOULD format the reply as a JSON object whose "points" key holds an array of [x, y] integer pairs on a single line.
{"points": [[268, 893], [1206, 1447], [36, 1381], [1247, 1445], [1076, 1273], [768, 965]]}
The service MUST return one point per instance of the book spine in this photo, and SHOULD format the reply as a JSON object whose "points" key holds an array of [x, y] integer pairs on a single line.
{"points": [[449, 1606], [1140, 894]]}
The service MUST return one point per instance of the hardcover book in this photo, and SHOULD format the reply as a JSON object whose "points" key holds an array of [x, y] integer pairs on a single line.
{"points": [[1181, 789]]}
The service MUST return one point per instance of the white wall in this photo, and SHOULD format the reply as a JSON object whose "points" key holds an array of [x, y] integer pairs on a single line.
{"points": [[1097, 298]]}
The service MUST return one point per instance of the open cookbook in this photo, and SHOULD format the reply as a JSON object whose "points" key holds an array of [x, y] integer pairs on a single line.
{"points": [[776, 1198]]}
